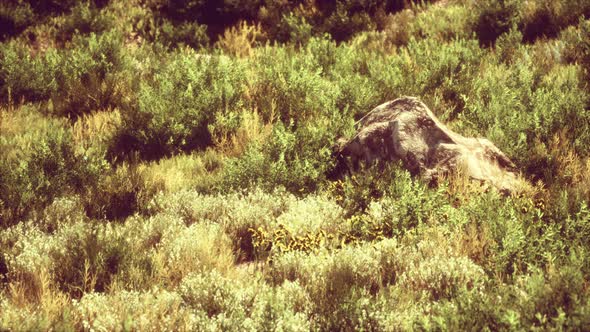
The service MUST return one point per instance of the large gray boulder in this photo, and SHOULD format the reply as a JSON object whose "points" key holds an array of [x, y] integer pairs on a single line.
{"points": [[406, 130]]}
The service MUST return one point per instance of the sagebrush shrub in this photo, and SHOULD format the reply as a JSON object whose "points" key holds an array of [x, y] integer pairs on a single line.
{"points": [[198, 248], [220, 206], [14, 18], [296, 159], [131, 310], [176, 105], [41, 165], [185, 34], [223, 303], [444, 23], [330, 280], [24, 76], [121, 193], [212, 293], [443, 277], [539, 19], [84, 18], [493, 19], [95, 74], [577, 48], [292, 89]]}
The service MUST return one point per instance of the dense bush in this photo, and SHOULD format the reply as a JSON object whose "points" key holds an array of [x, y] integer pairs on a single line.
{"points": [[195, 88], [494, 18], [24, 76], [284, 21], [539, 19], [83, 19], [14, 18], [168, 165], [92, 74], [40, 163], [293, 89], [577, 49], [295, 159], [540, 108]]}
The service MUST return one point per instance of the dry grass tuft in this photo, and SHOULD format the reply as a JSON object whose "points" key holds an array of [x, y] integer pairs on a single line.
{"points": [[241, 39], [252, 129], [93, 128]]}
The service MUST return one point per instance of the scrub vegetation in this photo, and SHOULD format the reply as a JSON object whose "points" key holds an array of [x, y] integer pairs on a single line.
{"points": [[165, 165]]}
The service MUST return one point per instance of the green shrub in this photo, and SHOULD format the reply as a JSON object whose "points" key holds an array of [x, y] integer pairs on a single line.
{"points": [[131, 310], [560, 102], [510, 232], [297, 160], [524, 304], [332, 281], [95, 74], [444, 23], [343, 21], [40, 164], [565, 289], [539, 19], [398, 212], [17, 15], [223, 303], [50, 6], [175, 106], [443, 75], [217, 15], [493, 19], [350, 68], [169, 33], [14, 18], [577, 48], [294, 29], [85, 18], [24, 76], [189, 33], [536, 106], [283, 21], [293, 88], [385, 200], [509, 46]]}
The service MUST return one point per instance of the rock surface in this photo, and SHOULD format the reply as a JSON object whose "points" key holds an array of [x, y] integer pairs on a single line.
{"points": [[405, 129]]}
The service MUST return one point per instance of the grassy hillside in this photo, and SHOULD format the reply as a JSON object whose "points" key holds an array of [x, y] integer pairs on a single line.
{"points": [[164, 166]]}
